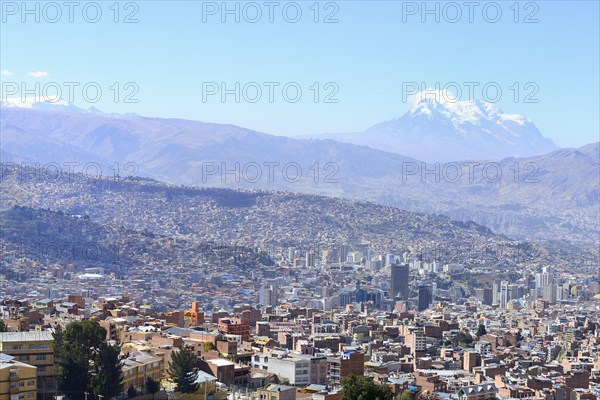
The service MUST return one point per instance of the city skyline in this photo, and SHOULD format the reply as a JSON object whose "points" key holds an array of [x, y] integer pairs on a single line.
{"points": [[299, 200]]}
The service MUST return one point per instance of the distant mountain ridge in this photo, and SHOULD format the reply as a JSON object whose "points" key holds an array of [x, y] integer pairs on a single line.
{"points": [[59, 105], [451, 131], [141, 209], [547, 197]]}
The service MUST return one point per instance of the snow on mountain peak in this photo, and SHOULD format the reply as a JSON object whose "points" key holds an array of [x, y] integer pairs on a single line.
{"points": [[444, 104], [29, 102], [57, 104]]}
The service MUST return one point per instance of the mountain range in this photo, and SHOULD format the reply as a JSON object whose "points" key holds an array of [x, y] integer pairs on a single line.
{"points": [[453, 130], [551, 196]]}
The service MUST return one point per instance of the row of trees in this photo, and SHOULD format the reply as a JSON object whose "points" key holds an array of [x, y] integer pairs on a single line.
{"points": [[85, 362]]}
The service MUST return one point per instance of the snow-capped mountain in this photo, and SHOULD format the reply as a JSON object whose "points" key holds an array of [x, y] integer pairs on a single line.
{"points": [[454, 130], [59, 105], [177, 151]]}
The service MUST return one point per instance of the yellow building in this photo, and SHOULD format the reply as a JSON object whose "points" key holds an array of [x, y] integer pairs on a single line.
{"points": [[138, 367], [277, 392], [17, 380], [35, 348]]}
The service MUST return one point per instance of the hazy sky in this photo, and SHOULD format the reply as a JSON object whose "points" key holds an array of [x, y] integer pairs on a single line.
{"points": [[364, 60]]}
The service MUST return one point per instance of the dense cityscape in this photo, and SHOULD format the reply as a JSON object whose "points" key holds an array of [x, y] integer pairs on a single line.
{"points": [[267, 315], [299, 200], [301, 329]]}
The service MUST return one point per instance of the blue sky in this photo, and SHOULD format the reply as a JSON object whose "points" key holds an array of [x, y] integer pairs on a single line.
{"points": [[367, 55]]}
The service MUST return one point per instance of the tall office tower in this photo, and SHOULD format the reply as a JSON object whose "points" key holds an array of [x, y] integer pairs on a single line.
{"points": [[291, 253], [425, 296], [344, 249], [515, 292], [485, 295], [504, 297], [543, 279], [325, 256], [310, 259], [376, 264], [496, 292], [549, 293], [391, 259], [267, 295], [399, 284], [562, 291]]}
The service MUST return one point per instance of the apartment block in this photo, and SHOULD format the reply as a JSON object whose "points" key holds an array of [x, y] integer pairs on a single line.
{"points": [[138, 367], [349, 363], [17, 380], [235, 326], [35, 348]]}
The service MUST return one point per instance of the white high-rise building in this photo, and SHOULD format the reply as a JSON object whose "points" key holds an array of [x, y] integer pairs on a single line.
{"points": [[291, 253], [504, 296], [543, 279], [267, 295]]}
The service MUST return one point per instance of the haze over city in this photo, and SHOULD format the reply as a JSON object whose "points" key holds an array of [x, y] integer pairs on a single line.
{"points": [[327, 200]]}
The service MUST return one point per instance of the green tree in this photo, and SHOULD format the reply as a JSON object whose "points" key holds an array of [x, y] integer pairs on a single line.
{"points": [[464, 338], [108, 371], [363, 388], [131, 392], [182, 369], [75, 350], [152, 386], [3, 326], [481, 330], [207, 347], [58, 335], [405, 395]]}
